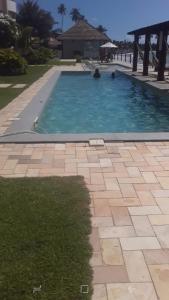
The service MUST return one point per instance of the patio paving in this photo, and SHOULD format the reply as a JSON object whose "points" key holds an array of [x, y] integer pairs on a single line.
{"points": [[19, 86], [5, 85], [129, 189], [128, 184]]}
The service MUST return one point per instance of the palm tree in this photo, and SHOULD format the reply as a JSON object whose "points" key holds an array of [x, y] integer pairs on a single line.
{"points": [[101, 29], [75, 14], [62, 12]]}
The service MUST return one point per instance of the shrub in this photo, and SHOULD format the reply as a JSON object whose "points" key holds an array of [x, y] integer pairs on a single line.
{"points": [[38, 56], [78, 59], [12, 63], [9, 31]]}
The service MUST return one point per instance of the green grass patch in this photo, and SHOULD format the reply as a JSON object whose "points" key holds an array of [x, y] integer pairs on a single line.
{"points": [[8, 94], [44, 229], [56, 62]]}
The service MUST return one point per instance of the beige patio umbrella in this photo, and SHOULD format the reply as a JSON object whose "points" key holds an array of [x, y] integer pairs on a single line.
{"points": [[109, 45]]}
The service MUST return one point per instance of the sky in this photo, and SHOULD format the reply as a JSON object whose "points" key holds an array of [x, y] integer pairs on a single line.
{"points": [[118, 16]]}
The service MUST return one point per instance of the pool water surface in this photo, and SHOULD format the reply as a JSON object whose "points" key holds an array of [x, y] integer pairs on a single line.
{"points": [[81, 104]]}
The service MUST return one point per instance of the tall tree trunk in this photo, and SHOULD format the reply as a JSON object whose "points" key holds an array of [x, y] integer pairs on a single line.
{"points": [[62, 22]]}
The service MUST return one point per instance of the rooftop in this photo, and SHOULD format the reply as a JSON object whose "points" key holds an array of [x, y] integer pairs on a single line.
{"points": [[82, 30], [153, 29]]}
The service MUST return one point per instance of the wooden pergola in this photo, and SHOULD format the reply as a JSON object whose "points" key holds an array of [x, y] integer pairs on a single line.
{"points": [[161, 30]]}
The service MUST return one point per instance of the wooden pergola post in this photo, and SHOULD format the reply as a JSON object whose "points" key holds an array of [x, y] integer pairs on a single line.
{"points": [[157, 50], [157, 46], [162, 55], [135, 54], [146, 54]]}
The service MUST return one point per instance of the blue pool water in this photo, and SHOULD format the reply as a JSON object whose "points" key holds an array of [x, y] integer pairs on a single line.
{"points": [[81, 104]]}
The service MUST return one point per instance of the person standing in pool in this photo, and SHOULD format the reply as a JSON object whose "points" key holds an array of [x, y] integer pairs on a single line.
{"points": [[113, 75], [97, 74]]}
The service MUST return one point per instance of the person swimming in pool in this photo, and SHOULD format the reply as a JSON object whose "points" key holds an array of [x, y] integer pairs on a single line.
{"points": [[97, 74], [113, 75]]}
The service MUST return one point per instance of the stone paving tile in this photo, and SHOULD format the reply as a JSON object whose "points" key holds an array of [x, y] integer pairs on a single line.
{"points": [[147, 186], [102, 211], [21, 169], [154, 169], [164, 181], [19, 86], [111, 252], [121, 216], [5, 85], [96, 259], [144, 210], [160, 276], [161, 193], [124, 202], [156, 257], [32, 173], [116, 232], [99, 292], [139, 243], [136, 266], [131, 180], [131, 291], [133, 171], [105, 162], [163, 204], [142, 226], [83, 172], [95, 187], [162, 233], [97, 178], [149, 177], [107, 194], [10, 164], [162, 174], [94, 240], [128, 190], [146, 198], [102, 208], [102, 221], [113, 174], [109, 274], [159, 219], [112, 184]]}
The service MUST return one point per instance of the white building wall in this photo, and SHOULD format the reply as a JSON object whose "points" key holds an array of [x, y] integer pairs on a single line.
{"points": [[11, 6], [8, 7]]}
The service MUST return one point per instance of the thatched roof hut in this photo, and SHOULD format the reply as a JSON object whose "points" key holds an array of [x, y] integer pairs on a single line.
{"points": [[82, 40], [83, 31]]}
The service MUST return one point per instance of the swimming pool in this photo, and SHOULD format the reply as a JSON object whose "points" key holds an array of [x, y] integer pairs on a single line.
{"points": [[81, 104]]}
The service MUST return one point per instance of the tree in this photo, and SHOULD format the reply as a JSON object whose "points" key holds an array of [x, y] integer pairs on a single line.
{"points": [[24, 40], [101, 29], [76, 15], [31, 15], [62, 12]]}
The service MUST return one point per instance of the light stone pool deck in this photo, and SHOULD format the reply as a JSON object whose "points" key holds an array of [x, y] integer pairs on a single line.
{"points": [[129, 188]]}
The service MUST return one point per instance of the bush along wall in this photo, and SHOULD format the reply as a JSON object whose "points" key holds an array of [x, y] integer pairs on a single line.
{"points": [[12, 63], [38, 56]]}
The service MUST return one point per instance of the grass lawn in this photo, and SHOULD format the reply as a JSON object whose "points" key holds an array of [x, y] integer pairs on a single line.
{"points": [[8, 94], [44, 228], [56, 62]]}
